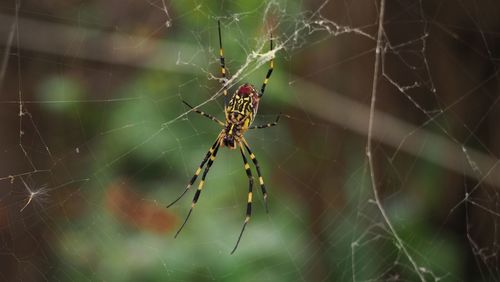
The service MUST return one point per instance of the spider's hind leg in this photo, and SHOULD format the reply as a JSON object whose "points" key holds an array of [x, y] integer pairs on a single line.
{"points": [[193, 179], [249, 201], [200, 186], [259, 174]]}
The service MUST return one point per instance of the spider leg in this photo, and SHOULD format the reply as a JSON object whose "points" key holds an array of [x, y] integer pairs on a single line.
{"points": [[249, 202], [257, 167], [222, 67], [200, 186], [193, 179], [269, 71], [267, 125], [204, 114]]}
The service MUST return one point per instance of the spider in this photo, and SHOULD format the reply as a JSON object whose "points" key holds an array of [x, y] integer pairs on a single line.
{"points": [[240, 112]]}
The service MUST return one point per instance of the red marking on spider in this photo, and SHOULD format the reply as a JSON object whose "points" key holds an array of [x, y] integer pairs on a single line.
{"points": [[246, 89]]}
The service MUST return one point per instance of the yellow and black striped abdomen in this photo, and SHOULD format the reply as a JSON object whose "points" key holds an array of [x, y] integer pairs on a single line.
{"points": [[242, 107]]}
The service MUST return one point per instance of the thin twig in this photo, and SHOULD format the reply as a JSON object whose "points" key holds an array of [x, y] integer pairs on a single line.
{"points": [[369, 152]]}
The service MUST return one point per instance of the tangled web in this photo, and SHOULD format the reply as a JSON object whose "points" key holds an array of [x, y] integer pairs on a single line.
{"points": [[383, 166]]}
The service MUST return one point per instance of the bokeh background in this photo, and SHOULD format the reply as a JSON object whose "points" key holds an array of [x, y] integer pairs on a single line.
{"points": [[95, 141]]}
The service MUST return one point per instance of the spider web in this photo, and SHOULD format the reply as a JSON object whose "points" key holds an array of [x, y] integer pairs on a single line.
{"points": [[383, 166]]}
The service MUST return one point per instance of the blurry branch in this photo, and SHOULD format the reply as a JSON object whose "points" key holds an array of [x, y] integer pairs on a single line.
{"points": [[8, 45], [113, 48], [96, 45], [398, 134]]}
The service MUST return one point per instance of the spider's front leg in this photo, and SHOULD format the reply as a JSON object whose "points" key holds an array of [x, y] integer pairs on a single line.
{"points": [[223, 69], [269, 71]]}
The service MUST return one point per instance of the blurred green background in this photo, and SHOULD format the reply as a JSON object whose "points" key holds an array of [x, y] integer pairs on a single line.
{"points": [[96, 141]]}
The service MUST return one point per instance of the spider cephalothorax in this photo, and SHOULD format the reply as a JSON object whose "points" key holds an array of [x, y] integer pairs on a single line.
{"points": [[240, 112]]}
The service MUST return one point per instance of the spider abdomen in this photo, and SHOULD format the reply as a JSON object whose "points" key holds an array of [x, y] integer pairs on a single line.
{"points": [[240, 113], [243, 106]]}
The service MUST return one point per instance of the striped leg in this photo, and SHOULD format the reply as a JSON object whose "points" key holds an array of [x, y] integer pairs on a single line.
{"points": [[257, 167], [200, 186], [249, 202], [267, 125], [269, 72], [223, 70], [193, 179], [204, 114]]}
